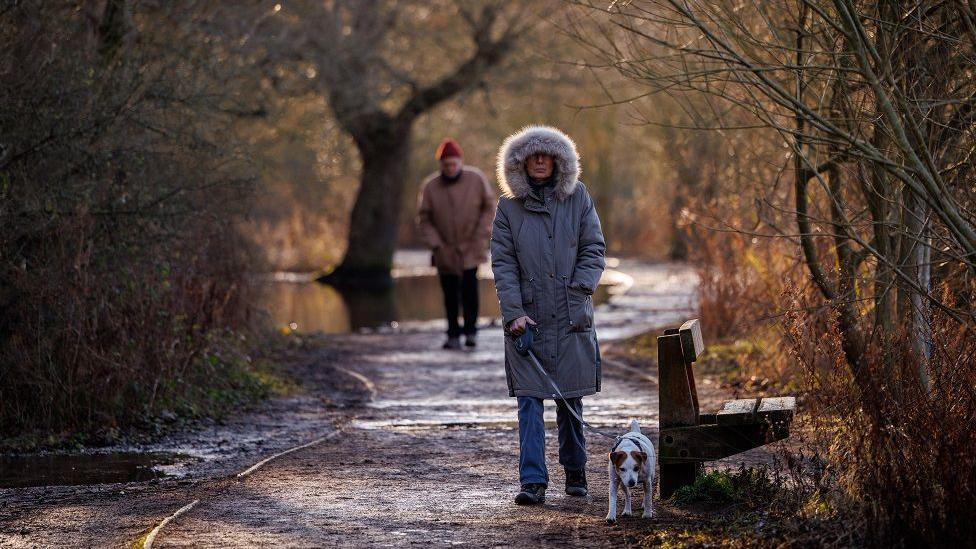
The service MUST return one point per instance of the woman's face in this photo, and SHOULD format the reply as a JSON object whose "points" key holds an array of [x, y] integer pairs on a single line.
{"points": [[539, 166]]}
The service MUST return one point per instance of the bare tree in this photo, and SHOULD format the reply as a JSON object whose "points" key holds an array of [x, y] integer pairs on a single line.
{"points": [[875, 101], [381, 64]]}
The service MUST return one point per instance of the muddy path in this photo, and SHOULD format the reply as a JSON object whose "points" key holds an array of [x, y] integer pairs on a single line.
{"points": [[399, 443]]}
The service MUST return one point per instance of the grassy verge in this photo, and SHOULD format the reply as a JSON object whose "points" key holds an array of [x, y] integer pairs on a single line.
{"points": [[233, 374]]}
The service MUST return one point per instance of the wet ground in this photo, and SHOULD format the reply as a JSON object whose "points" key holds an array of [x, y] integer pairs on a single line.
{"points": [[89, 468], [411, 445]]}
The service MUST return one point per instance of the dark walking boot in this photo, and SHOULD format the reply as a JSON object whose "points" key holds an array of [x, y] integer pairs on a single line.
{"points": [[470, 340], [452, 343], [531, 494], [576, 483]]}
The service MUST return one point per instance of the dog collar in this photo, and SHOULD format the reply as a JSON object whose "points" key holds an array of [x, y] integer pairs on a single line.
{"points": [[625, 437]]}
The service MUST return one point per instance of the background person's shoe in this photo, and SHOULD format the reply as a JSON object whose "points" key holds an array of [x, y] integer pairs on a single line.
{"points": [[452, 343], [470, 340], [576, 483], [531, 494]]}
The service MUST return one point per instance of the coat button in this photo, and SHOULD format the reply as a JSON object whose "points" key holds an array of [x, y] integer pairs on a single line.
{"points": [[551, 275], [550, 237]]}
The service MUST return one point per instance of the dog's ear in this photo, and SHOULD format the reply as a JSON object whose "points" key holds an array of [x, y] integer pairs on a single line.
{"points": [[618, 457], [641, 457]]}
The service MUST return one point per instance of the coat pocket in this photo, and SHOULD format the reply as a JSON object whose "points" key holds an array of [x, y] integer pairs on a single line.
{"points": [[580, 310], [578, 368]]}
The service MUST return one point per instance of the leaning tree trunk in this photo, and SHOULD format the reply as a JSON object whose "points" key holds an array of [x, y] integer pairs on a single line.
{"points": [[376, 213]]}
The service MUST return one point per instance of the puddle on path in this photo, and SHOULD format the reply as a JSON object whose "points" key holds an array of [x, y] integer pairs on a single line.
{"points": [[310, 306], [427, 425], [74, 469], [483, 424]]}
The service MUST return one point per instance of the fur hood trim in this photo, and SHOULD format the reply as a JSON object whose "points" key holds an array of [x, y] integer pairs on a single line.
{"points": [[513, 180]]}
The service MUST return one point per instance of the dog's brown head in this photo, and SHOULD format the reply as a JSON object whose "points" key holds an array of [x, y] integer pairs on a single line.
{"points": [[628, 465]]}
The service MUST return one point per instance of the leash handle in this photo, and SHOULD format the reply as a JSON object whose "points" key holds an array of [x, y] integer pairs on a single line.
{"points": [[524, 342]]}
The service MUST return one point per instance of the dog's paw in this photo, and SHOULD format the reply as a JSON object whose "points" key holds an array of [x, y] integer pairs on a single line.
{"points": [[611, 519], [647, 514], [626, 514]]}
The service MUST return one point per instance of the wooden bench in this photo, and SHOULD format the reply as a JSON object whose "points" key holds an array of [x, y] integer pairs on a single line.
{"points": [[688, 437]]}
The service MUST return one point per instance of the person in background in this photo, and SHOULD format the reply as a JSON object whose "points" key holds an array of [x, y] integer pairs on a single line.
{"points": [[456, 207]]}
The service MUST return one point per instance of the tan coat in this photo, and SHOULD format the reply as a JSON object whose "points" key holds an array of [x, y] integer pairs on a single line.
{"points": [[455, 219]]}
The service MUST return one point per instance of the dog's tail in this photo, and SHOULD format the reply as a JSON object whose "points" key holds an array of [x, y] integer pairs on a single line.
{"points": [[634, 426]]}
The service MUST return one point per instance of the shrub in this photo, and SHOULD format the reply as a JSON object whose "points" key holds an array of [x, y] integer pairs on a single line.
{"points": [[122, 278], [902, 457]]}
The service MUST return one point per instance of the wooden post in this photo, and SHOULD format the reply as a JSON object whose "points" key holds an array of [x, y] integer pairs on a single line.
{"points": [[678, 406]]}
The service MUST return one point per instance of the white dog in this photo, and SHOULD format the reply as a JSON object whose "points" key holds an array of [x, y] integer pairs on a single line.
{"points": [[632, 460]]}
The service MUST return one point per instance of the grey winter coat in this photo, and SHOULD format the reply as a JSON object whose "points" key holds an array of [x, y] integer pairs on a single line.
{"points": [[547, 258]]}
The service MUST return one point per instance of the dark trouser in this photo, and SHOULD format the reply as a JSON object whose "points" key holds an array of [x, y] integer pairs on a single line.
{"points": [[532, 439], [464, 286]]}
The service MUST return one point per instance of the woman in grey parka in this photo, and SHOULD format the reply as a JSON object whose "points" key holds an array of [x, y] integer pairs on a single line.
{"points": [[547, 255]]}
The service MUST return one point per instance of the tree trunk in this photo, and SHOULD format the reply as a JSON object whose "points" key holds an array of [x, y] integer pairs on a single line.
{"points": [[376, 213], [921, 312], [917, 262], [680, 239]]}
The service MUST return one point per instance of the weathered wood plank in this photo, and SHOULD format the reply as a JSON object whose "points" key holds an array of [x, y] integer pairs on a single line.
{"points": [[736, 412], [776, 404], [690, 374], [752, 410], [692, 343], [711, 442], [736, 406], [676, 404]]}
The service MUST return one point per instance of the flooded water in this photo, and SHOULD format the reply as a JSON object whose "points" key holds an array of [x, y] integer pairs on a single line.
{"points": [[73, 469], [313, 307]]}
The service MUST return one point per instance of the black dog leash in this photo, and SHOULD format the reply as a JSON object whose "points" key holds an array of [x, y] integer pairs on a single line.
{"points": [[523, 346]]}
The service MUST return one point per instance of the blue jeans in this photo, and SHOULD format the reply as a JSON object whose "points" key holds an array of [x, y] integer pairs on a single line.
{"points": [[532, 439]]}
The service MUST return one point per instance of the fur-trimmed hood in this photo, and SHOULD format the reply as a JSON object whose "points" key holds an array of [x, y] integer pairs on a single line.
{"points": [[513, 180]]}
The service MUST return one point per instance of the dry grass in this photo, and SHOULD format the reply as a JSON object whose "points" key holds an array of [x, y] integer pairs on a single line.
{"points": [[899, 462], [902, 459]]}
